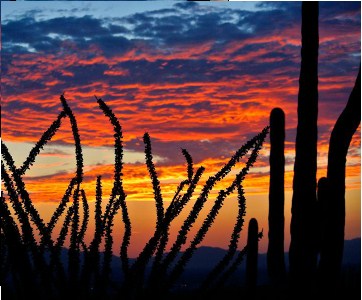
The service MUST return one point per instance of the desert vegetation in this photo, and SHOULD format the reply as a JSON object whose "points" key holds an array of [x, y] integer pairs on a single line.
{"points": [[318, 214], [34, 260], [37, 266]]}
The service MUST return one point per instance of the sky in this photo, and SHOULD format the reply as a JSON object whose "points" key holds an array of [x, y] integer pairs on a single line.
{"points": [[201, 76]]}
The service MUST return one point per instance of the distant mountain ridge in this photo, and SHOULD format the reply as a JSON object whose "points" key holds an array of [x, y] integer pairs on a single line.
{"points": [[206, 256], [205, 259]]}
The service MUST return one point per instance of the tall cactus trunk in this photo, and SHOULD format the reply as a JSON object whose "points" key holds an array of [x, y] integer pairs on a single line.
{"points": [[252, 258], [275, 254], [333, 235], [322, 208], [323, 199], [303, 250]]}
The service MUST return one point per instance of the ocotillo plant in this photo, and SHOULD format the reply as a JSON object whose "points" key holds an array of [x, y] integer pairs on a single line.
{"points": [[275, 254], [180, 240], [233, 240], [39, 266], [15, 256], [302, 251], [74, 250], [176, 272], [117, 190], [138, 267], [221, 269]]}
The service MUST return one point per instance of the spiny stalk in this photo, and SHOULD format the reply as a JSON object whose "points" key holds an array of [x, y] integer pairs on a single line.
{"points": [[176, 272], [55, 261], [29, 244], [190, 169], [233, 240], [8, 224], [117, 189], [162, 230], [27, 230], [118, 153], [47, 136], [63, 232], [155, 182], [240, 257], [143, 258], [174, 209], [225, 276], [98, 207], [109, 239], [17, 251], [181, 238], [85, 218], [75, 222], [179, 205], [73, 252], [22, 192], [94, 246], [61, 207], [180, 265], [164, 238], [76, 136]]}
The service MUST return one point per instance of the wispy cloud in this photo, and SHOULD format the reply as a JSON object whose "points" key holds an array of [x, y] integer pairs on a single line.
{"points": [[204, 81]]}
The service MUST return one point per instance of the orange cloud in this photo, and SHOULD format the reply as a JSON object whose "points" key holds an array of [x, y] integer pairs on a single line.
{"points": [[211, 95]]}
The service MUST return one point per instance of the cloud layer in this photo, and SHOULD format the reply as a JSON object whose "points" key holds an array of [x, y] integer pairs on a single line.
{"points": [[205, 80], [195, 76]]}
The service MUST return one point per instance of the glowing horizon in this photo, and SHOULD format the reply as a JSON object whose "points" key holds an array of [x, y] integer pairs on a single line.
{"points": [[205, 81]]}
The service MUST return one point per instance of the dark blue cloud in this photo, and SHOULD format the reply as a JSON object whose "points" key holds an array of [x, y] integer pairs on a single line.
{"points": [[19, 31], [47, 36], [171, 27], [28, 30], [166, 27], [86, 26], [279, 5], [272, 22], [17, 105], [112, 45], [176, 28], [338, 7], [200, 150], [187, 5]]}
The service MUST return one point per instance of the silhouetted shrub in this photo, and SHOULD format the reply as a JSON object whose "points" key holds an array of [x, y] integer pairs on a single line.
{"points": [[38, 266]]}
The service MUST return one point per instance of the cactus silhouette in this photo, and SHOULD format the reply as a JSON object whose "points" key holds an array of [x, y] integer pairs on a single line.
{"points": [[303, 252], [252, 257], [37, 267], [275, 254], [322, 208], [333, 233]]}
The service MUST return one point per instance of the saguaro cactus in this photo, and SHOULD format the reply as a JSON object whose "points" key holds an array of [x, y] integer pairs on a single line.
{"points": [[303, 250], [323, 198], [275, 254], [252, 255], [333, 235]]}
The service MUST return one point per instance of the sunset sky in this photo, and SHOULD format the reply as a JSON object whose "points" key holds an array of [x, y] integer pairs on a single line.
{"points": [[202, 76]]}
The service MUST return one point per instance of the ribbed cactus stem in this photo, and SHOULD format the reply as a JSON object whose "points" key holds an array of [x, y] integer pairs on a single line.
{"points": [[252, 256], [275, 254], [303, 246], [323, 199], [340, 140]]}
